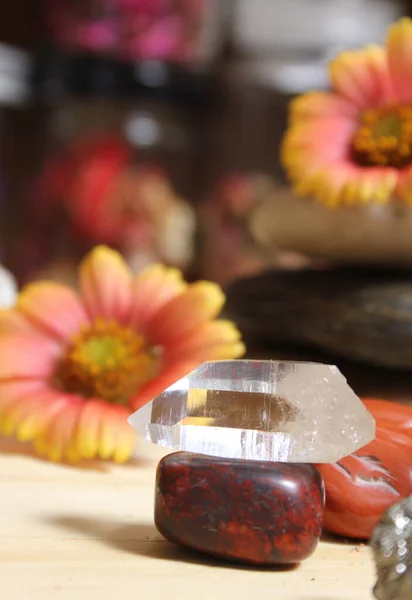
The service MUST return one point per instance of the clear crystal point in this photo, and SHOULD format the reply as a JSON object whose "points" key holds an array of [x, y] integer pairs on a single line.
{"points": [[259, 410]]}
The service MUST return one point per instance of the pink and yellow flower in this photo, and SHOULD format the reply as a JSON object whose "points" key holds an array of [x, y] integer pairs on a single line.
{"points": [[353, 144], [75, 365]]}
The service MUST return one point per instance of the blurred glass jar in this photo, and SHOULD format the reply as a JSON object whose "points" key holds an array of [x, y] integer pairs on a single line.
{"points": [[184, 32], [110, 147], [14, 92], [133, 134], [279, 49]]}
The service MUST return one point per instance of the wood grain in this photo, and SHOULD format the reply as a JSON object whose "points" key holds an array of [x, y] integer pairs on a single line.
{"points": [[75, 534]]}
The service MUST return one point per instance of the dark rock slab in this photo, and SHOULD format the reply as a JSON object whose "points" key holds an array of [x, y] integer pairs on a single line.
{"points": [[363, 315]]}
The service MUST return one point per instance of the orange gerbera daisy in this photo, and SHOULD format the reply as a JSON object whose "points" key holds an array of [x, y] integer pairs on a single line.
{"points": [[354, 144], [74, 366]]}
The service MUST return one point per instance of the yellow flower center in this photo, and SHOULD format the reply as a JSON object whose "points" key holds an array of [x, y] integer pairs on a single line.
{"points": [[384, 137], [107, 361]]}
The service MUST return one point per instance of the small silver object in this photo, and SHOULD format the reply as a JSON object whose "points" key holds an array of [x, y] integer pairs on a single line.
{"points": [[392, 549]]}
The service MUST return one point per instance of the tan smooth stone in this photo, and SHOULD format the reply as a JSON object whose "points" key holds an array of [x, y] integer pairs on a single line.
{"points": [[359, 234]]}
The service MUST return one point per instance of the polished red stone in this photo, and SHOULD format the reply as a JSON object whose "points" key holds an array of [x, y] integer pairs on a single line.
{"points": [[254, 512], [360, 487]]}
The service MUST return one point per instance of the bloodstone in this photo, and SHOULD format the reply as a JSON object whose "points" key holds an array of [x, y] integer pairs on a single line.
{"points": [[247, 511]]}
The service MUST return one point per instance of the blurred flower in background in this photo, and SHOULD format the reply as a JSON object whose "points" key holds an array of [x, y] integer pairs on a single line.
{"points": [[354, 144], [109, 200], [139, 212], [229, 246], [75, 366]]}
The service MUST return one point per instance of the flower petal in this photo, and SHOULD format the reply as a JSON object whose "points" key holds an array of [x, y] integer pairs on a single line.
{"points": [[399, 50], [312, 150], [167, 376], [404, 188], [18, 388], [117, 438], [12, 394], [26, 419], [88, 428], [103, 431], [374, 184], [56, 440], [317, 142], [27, 356], [215, 340], [220, 352], [29, 416], [321, 105], [350, 185], [106, 285], [316, 154], [327, 185], [108, 433], [13, 321], [152, 289], [126, 443], [362, 76], [201, 302], [53, 307]]}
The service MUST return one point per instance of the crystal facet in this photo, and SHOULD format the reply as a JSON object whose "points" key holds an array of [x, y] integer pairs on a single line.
{"points": [[259, 410]]}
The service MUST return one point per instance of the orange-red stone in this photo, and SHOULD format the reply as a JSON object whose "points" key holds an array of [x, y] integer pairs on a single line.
{"points": [[254, 512], [360, 487]]}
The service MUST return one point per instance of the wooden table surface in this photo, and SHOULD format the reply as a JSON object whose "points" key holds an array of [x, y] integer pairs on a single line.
{"points": [[76, 533]]}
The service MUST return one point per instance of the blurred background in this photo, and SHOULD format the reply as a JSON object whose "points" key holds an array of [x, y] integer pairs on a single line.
{"points": [[154, 126]]}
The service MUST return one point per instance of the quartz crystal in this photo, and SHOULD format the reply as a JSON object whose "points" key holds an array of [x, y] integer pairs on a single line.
{"points": [[259, 410]]}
